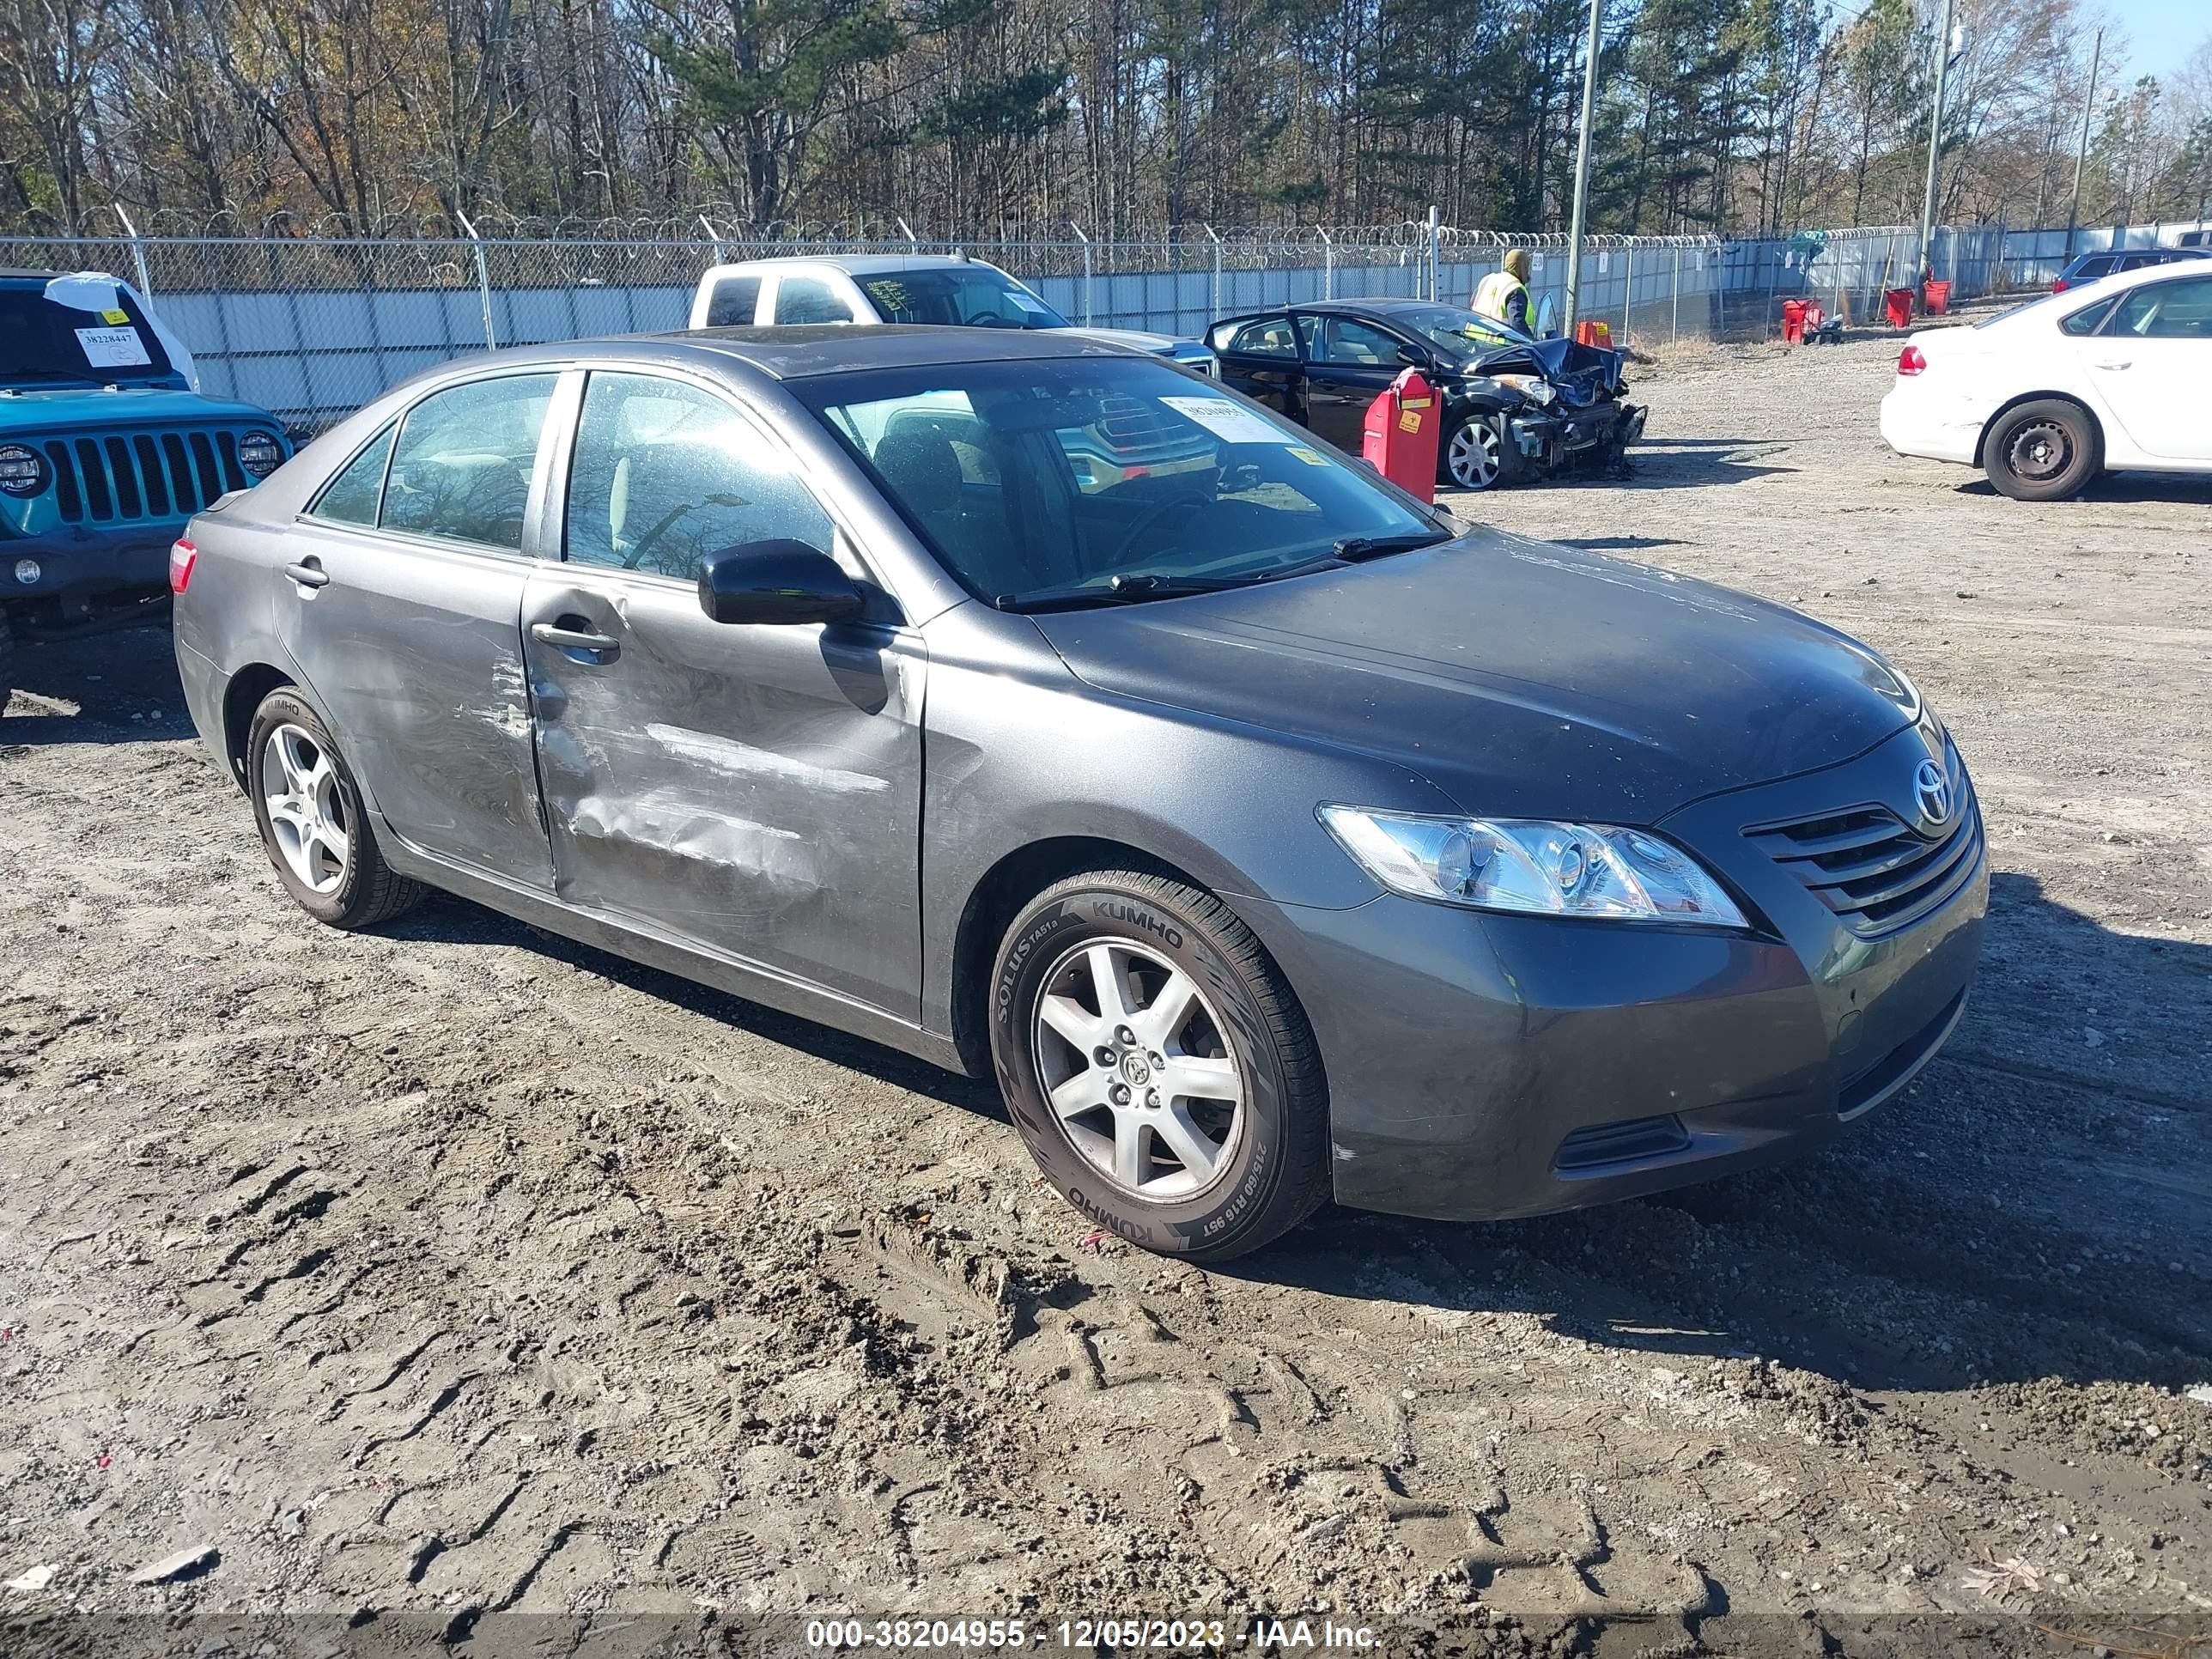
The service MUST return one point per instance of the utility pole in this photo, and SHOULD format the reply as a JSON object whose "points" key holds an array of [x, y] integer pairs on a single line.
{"points": [[1920, 264], [1582, 172], [2082, 155]]}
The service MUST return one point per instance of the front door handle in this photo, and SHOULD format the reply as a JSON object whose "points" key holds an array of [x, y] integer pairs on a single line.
{"points": [[574, 635], [2127, 363], [308, 572]]}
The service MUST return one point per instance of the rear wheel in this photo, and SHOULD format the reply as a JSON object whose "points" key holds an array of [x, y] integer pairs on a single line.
{"points": [[1478, 454], [1158, 1066], [2045, 451], [309, 810]]}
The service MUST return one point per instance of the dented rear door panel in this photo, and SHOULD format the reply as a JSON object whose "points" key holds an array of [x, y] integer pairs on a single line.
{"points": [[754, 791]]}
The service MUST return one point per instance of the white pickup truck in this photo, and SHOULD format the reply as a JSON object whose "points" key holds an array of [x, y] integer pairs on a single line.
{"points": [[946, 289]]}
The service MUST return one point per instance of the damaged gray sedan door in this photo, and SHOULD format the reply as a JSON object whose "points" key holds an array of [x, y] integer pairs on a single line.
{"points": [[749, 788]]}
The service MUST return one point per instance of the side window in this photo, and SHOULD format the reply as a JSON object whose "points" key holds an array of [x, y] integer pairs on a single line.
{"points": [[2180, 309], [461, 468], [732, 302], [351, 497], [2090, 319], [1271, 337], [1354, 343], [664, 474], [2094, 269], [809, 300]]}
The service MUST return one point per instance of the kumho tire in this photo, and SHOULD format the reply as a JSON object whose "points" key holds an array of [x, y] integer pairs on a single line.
{"points": [[1119, 981]]}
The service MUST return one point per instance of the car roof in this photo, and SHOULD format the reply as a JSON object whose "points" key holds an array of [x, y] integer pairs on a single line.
{"points": [[855, 265], [2166, 253], [798, 352], [2162, 271]]}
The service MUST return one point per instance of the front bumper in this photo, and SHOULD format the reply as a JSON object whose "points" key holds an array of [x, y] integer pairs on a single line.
{"points": [[1550, 438], [79, 562], [1485, 1066]]}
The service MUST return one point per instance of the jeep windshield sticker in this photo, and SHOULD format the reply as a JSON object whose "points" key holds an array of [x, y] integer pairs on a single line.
{"points": [[1229, 422], [112, 348], [1028, 303]]}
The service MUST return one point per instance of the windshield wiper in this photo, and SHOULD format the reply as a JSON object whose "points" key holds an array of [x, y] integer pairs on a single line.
{"points": [[1120, 590], [1352, 549]]}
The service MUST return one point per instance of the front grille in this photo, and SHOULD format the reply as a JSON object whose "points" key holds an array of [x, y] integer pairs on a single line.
{"points": [[1631, 1140], [122, 476], [1872, 869]]}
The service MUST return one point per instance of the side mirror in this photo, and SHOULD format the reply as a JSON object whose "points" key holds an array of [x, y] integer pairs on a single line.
{"points": [[1411, 357], [776, 582]]}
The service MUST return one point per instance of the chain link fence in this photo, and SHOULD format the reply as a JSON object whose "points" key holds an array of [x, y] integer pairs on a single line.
{"points": [[311, 327]]}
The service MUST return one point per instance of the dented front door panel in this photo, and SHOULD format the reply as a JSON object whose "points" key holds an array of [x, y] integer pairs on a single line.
{"points": [[751, 790]]}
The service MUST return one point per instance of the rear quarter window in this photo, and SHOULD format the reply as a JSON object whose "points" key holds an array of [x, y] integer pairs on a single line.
{"points": [[355, 495], [734, 301]]}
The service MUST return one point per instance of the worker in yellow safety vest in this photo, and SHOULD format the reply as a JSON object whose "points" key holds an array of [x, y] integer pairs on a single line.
{"points": [[1503, 294]]}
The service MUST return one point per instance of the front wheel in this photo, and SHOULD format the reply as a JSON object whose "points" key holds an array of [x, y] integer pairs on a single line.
{"points": [[1158, 1067], [1478, 454], [2045, 451], [309, 810]]}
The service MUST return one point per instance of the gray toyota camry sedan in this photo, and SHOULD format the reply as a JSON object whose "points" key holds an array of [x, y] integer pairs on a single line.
{"points": [[1040, 708]]}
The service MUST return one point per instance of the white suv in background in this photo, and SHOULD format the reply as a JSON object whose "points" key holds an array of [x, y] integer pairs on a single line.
{"points": [[2047, 396], [947, 290]]}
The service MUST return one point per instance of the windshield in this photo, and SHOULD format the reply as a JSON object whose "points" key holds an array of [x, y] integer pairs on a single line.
{"points": [[974, 296], [42, 343], [1117, 477], [1459, 333]]}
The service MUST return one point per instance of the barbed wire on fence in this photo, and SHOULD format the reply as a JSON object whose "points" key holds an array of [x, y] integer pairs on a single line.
{"points": [[312, 322]]}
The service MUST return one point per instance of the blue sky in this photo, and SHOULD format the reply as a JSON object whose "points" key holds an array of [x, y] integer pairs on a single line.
{"points": [[2161, 33]]}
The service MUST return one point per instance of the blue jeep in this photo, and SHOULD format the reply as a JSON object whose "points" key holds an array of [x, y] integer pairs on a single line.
{"points": [[105, 452]]}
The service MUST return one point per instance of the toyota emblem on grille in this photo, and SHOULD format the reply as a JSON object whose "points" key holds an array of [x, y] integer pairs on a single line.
{"points": [[1931, 791]]}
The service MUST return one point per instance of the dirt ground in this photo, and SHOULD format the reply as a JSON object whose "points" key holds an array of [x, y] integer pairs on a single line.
{"points": [[420, 1277]]}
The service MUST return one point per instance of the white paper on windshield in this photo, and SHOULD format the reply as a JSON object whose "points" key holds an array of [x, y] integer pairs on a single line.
{"points": [[1030, 303], [1227, 422], [84, 290], [113, 347]]}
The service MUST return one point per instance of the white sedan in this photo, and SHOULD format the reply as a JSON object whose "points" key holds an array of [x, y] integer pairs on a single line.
{"points": [[2046, 398]]}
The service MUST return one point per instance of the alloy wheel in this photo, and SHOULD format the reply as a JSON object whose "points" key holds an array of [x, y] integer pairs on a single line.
{"points": [[307, 808], [1131, 1054], [1474, 455]]}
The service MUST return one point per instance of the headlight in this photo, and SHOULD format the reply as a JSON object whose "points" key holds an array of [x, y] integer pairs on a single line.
{"points": [[1534, 387], [22, 471], [1533, 866], [259, 454]]}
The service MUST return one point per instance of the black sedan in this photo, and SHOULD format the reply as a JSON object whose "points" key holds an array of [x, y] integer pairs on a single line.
{"points": [[1514, 407]]}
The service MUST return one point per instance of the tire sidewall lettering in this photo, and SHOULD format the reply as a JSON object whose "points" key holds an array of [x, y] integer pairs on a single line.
{"points": [[1042, 939]]}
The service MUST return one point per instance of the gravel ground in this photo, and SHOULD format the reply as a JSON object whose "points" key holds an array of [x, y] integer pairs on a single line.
{"points": [[458, 1269]]}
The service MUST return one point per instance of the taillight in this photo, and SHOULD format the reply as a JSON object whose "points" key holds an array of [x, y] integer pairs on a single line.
{"points": [[183, 556], [1910, 361], [2058, 285]]}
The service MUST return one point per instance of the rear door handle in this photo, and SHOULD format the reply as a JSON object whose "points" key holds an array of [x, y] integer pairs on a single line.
{"points": [[2128, 364], [308, 572], [580, 644]]}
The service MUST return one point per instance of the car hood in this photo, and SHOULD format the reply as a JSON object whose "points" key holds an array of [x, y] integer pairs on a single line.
{"points": [[65, 407], [1589, 372], [1521, 679], [1137, 337]]}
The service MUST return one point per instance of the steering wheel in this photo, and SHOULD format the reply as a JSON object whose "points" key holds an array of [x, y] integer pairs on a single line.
{"points": [[1147, 520]]}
